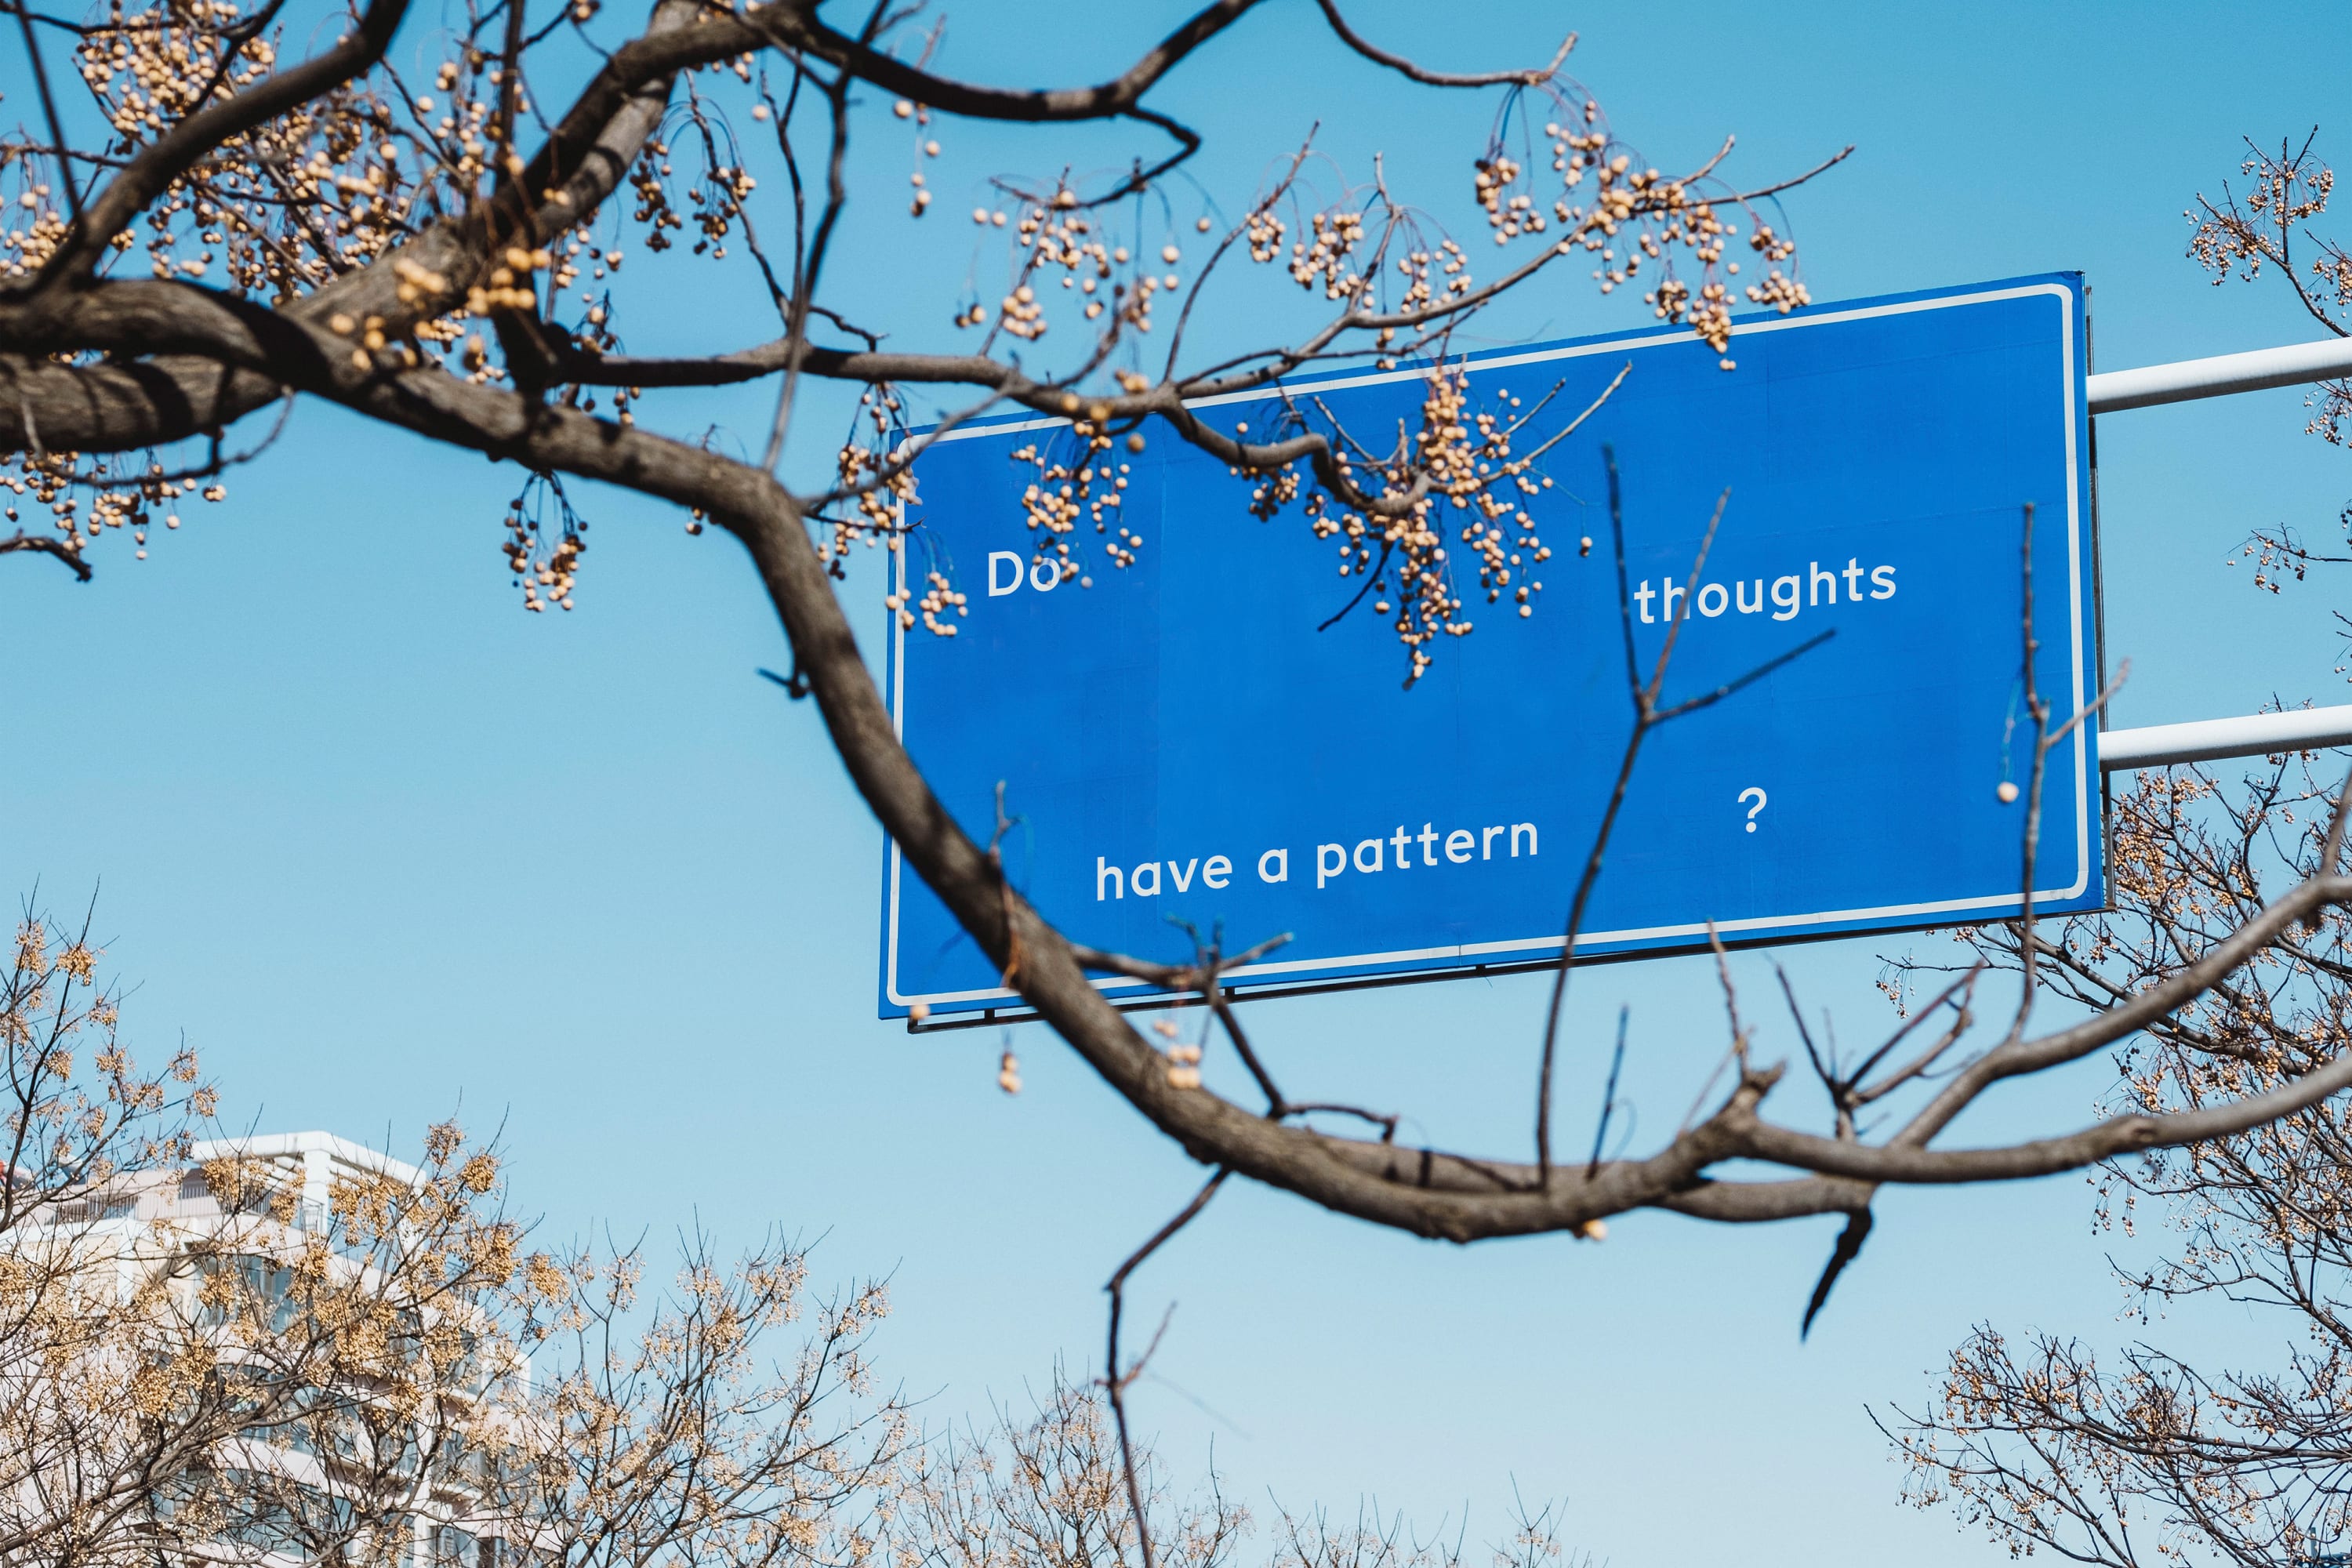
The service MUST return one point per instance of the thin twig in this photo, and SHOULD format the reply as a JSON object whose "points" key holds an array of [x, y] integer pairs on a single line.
{"points": [[1412, 71], [1115, 1382], [42, 544], [50, 111], [1609, 1095]]}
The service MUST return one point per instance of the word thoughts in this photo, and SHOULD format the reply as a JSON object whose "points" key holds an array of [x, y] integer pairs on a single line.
{"points": [[1790, 594]]}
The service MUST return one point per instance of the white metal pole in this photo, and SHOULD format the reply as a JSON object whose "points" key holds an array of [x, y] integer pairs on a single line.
{"points": [[2119, 389], [2254, 735]]}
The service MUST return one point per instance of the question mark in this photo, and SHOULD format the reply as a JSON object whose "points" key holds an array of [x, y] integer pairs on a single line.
{"points": [[1752, 810]]}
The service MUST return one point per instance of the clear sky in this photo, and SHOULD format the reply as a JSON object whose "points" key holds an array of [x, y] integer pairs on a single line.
{"points": [[383, 846]]}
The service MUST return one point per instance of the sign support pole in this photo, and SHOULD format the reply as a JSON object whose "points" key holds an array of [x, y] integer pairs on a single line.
{"points": [[2117, 390], [2254, 734]]}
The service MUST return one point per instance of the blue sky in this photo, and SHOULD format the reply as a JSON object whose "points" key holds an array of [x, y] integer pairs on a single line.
{"points": [[381, 847]]}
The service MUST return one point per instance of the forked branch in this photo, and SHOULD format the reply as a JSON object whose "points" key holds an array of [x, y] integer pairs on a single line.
{"points": [[98, 363]]}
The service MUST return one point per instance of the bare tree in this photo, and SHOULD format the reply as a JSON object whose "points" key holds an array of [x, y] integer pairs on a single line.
{"points": [[1050, 1491], [208, 1357], [205, 1357], [79, 1109], [2141, 1457], [2272, 225], [245, 230]]}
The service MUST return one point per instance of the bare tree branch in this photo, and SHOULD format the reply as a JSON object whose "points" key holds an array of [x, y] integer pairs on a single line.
{"points": [[99, 363], [56, 548], [1413, 72]]}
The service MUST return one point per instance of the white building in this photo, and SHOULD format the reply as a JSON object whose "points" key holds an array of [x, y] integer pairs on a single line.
{"points": [[238, 1252]]}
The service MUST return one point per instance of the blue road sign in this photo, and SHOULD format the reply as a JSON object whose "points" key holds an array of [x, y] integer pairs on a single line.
{"points": [[1181, 739]]}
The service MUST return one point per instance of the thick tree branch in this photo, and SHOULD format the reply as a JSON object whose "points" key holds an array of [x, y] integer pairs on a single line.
{"points": [[793, 24], [185, 358], [123, 406], [1422, 1191]]}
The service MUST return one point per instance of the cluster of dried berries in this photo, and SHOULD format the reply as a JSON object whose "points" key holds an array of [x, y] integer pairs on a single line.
{"points": [[309, 196], [880, 489], [1055, 235], [1459, 459], [2242, 234], [1421, 292], [719, 195], [925, 147], [337, 184], [1265, 230], [1628, 216], [649, 177], [1324, 255], [1085, 487], [1183, 1055], [546, 571], [937, 598], [123, 495]]}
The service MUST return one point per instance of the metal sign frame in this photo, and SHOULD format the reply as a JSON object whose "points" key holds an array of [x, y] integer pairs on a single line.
{"points": [[1278, 976]]}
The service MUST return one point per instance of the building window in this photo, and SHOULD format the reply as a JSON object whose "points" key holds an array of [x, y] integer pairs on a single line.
{"points": [[262, 1281], [453, 1547]]}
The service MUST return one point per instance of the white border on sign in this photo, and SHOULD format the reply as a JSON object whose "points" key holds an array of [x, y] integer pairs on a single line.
{"points": [[1535, 947]]}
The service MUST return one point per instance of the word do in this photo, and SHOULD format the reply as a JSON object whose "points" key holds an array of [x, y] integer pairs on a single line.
{"points": [[1043, 576]]}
